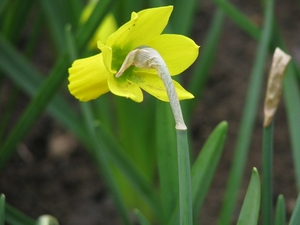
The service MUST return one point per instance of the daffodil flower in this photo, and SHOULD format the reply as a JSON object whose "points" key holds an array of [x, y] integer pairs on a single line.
{"points": [[96, 75]]}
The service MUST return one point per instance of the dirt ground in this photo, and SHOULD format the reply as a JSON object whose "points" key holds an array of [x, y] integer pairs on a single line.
{"points": [[39, 180]]}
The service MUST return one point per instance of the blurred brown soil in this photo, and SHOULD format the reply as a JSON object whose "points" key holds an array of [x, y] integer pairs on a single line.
{"points": [[52, 174]]}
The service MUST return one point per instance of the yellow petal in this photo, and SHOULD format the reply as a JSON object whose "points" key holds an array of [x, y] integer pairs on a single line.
{"points": [[88, 78], [142, 27], [178, 51], [107, 56], [152, 84], [122, 87]]}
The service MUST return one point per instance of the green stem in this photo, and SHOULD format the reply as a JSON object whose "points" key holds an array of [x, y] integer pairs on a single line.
{"points": [[184, 177], [267, 166], [148, 58]]}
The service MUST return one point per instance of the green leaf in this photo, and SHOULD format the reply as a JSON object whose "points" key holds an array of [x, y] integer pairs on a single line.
{"points": [[103, 165], [250, 208], [141, 218], [206, 164], [183, 24], [291, 94], [166, 159], [280, 214], [239, 18], [46, 92], [204, 168], [295, 218], [15, 217], [2, 209], [127, 166], [56, 12]]}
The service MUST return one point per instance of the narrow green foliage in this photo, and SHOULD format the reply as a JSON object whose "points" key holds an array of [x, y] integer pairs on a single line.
{"points": [[239, 18], [36, 107], [248, 118], [46, 91], [74, 9], [204, 169], [141, 218], [295, 218], [267, 171], [15, 16], [15, 217], [183, 24], [280, 214], [6, 117], [291, 94], [103, 165], [206, 164], [204, 63], [2, 209], [98, 148], [2, 5], [250, 209], [56, 12], [166, 159], [124, 163], [85, 32]]}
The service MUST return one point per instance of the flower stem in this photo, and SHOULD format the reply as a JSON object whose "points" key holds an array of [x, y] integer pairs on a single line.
{"points": [[184, 177], [267, 162], [148, 58]]}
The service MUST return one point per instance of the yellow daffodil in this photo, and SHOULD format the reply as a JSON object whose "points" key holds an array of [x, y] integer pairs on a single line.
{"points": [[96, 75]]}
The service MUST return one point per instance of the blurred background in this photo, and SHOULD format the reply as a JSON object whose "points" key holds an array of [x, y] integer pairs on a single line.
{"points": [[51, 173]]}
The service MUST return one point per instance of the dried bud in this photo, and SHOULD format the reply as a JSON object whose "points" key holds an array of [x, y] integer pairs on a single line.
{"points": [[274, 89]]}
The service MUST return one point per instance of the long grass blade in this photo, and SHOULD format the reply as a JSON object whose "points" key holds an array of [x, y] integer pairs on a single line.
{"points": [[295, 218], [15, 217], [183, 24], [2, 209], [120, 159], [206, 164], [250, 209], [141, 218], [46, 92], [2, 5], [291, 94], [239, 18], [280, 214], [203, 169], [104, 165], [166, 159], [204, 63], [56, 13], [99, 149]]}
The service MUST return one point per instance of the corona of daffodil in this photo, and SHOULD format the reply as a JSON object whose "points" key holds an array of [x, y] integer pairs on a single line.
{"points": [[96, 75]]}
